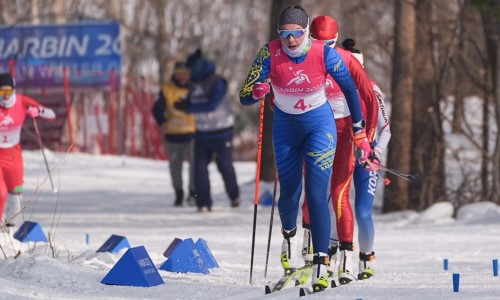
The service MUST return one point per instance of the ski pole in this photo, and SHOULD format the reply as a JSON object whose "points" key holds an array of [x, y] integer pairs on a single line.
{"points": [[39, 138], [398, 173], [257, 181], [271, 224]]}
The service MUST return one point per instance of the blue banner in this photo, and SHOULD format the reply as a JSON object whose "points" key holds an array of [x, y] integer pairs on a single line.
{"points": [[89, 52]]}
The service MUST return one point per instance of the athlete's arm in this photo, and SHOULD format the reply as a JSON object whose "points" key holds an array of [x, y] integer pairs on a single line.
{"points": [[336, 67], [383, 128], [27, 101], [368, 97], [258, 72], [43, 112]]}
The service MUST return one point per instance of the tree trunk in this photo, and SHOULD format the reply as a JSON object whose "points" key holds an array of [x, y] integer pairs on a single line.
{"points": [[35, 12], [397, 194], [458, 107], [485, 159], [491, 24], [58, 11], [427, 137], [159, 6], [268, 168]]}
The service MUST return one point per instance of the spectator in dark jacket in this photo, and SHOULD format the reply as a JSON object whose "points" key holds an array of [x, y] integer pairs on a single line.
{"points": [[209, 101]]}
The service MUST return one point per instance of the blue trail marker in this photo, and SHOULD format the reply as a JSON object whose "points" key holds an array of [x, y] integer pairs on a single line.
{"points": [[495, 267], [30, 232], [456, 282], [445, 264]]}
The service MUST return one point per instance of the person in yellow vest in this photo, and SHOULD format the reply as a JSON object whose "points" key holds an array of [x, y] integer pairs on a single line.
{"points": [[179, 128]]}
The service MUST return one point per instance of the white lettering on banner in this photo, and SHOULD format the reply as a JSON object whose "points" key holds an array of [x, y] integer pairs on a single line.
{"points": [[81, 49], [108, 46], [57, 70], [49, 47], [62, 46], [372, 183], [49, 72], [58, 47], [31, 45], [11, 49]]}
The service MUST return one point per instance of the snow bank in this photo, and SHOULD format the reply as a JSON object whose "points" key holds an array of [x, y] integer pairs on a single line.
{"points": [[479, 212], [438, 213]]}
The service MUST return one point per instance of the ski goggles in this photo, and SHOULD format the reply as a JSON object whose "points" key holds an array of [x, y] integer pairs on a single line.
{"points": [[296, 33], [5, 93], [330, 43]]}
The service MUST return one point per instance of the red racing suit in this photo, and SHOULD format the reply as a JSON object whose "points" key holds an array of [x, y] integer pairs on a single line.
{"points": [[344, 160], [11, 160]]}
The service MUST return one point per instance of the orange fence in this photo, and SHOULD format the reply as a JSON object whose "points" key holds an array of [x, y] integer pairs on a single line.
{"points": [[114, 119]]}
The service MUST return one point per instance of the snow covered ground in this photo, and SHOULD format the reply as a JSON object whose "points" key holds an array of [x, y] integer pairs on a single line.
{"points": [[132, 197]]}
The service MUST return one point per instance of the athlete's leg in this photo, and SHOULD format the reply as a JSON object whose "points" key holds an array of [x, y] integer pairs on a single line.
{"points": [[12, 168], [365, 183], [287, 142], [3, 196], [319, 151], [343, 167], [287, 139]]}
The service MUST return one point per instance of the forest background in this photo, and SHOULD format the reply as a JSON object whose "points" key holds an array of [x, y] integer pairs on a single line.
{"points": [[434, 60]]}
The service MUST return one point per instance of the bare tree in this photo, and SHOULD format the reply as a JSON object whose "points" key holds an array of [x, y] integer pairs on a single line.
{"points": [[459, 89], [427, 138], [399, 156], [490, 15]]}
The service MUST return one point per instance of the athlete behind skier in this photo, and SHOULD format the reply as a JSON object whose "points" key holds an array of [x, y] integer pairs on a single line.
{"points": [[304, 128], [13, 109], [365, 183], [325, 28]]}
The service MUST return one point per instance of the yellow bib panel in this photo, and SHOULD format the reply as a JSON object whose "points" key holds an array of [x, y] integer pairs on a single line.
{"points": [[178, 122]]}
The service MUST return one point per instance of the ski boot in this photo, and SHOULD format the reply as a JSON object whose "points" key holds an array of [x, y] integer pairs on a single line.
{"points": [[332, 257], [345, 263], [366, 265], [289, 250], [307, 248], [320, 280], [307, 256]]}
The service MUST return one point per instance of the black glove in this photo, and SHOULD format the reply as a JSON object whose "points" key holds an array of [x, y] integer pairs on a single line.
{"points": [[374, 160], [182, 105]]}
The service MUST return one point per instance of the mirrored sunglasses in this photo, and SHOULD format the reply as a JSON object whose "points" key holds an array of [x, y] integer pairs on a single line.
{"points": [[296, 33], [6, 93]]}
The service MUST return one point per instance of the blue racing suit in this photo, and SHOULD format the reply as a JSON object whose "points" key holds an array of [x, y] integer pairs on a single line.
{"points": [[308, 136]]}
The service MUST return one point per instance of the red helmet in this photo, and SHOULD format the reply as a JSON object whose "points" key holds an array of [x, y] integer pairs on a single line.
{"points": [[324, 28]]}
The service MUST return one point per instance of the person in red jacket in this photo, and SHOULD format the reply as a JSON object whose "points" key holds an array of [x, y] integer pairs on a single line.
{"points": [[13, 110], [325, 28]]}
